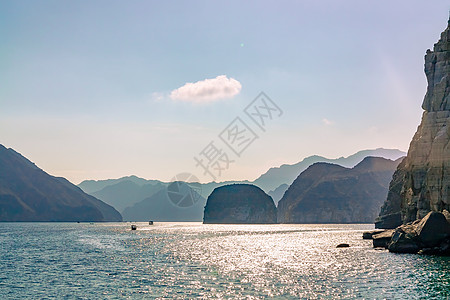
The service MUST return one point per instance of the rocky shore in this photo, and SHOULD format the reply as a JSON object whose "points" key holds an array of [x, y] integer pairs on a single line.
{"points": [[429, 235]]}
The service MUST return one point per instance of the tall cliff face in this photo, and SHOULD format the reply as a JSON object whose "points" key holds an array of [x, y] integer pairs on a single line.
{"points": [[425, 174]]}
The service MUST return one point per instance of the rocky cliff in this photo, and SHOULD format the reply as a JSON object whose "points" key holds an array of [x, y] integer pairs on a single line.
{"points": [[422, 182], [27, 193], [239, 204], [329, 193]]}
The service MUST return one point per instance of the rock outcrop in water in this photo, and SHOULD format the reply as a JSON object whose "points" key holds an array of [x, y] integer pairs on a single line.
{"points": [[329, 193], [29, 194], [429, 235], [422, 182], [239, 204]]}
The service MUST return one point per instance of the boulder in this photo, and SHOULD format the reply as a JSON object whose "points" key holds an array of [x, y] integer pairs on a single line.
{"points": [[343, 245], [381, 240], [430, 235], [368, 235], [404, 240], [433, 229]]}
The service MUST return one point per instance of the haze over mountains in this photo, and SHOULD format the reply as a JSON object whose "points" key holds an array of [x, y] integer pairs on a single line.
{"points": [[131, 194], [286, 174], [330, 193], [159, 206], [27, 193]]}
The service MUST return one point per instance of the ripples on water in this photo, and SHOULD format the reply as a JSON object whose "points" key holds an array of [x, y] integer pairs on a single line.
{"points": [[191, 260]]}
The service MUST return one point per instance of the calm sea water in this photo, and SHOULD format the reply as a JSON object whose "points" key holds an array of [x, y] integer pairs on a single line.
{"points": [[191, 260]]}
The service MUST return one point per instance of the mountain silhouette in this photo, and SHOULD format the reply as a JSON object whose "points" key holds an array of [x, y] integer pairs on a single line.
{"points": [[27, 193]]}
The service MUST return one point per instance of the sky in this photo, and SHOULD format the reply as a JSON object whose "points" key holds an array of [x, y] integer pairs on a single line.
{"points": [[105, 89]]}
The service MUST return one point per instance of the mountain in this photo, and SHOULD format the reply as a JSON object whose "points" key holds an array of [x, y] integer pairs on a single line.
{"points": [[167, 205], [330, 193], [239, 204], [278, 193], [422, 183], [286, 174], [92, 186], [27, 193], [127, 193]]}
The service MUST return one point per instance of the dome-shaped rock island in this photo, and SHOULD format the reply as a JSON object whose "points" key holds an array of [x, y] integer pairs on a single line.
{"points": [[239, 204]]}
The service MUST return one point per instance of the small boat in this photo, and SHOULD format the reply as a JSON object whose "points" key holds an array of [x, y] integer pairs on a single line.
{"points": [[150, 222], [133, 227]]}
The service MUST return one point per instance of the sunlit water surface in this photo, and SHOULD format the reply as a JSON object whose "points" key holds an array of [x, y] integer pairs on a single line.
{"points": [[191, 260]]}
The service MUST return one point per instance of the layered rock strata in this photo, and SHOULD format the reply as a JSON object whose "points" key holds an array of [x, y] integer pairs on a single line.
{"points": [[422, 182]]}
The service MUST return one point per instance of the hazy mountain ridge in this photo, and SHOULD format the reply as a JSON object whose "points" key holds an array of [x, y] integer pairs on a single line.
{"points": [[27, 193], [286, 174], [125, 192], [278, 193], [158, 207], [329, 193]]}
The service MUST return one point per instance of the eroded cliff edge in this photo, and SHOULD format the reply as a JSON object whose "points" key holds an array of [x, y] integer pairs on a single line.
{"points": [[422, 182]]}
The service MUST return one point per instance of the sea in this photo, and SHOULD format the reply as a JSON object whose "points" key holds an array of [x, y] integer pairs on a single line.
{"points": [[196, 261]]}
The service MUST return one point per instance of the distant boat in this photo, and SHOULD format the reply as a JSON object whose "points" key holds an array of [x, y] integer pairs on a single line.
{"points": [[133, 227], [150, 222]]}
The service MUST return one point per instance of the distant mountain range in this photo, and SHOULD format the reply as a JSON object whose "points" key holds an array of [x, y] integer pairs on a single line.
{"points": [[125, 192], [278, 193], [27, 193], [161, 206], [286, 174], [330, 193]]}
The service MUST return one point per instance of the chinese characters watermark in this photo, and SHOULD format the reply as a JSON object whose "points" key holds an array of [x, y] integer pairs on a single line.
{"points": [[237, 136]]}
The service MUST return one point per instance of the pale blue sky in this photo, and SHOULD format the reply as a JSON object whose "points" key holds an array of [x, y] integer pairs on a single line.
{"points": [[85, 85]]}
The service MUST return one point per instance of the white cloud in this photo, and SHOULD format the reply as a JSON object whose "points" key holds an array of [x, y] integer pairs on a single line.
{"points": [[327, 122], [156, 96], [208, 90]]}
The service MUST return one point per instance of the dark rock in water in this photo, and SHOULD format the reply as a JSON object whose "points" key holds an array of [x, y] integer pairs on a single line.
{"points": [[433, 229], [343, 245], [404, 240], [381, 240], [423, 181], [327, 193], [430, 235], [368, 235], [239, 204], [29, 194]]}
